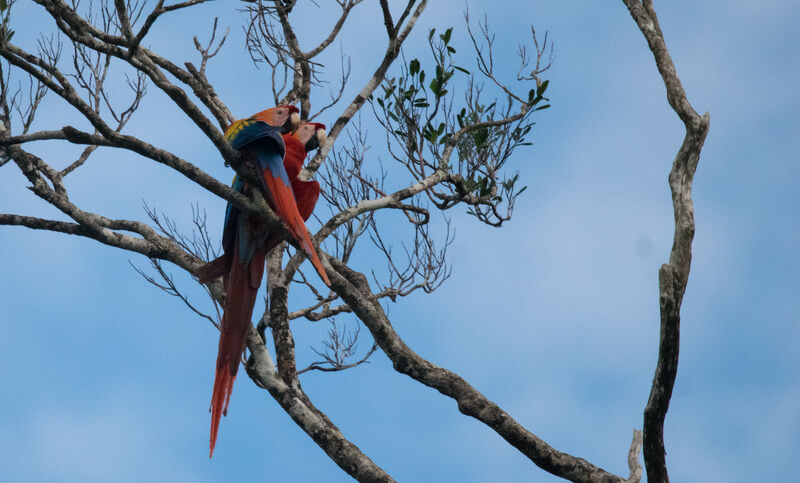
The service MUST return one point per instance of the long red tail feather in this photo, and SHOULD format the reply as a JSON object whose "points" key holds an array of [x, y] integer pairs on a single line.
{"points": [[242, 288], [305, 242]]}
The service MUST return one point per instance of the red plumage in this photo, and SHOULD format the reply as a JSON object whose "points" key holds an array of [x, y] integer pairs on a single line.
{"points": [[307, 136], [242, 277], [307, 194], [242, 285], [294, 204]]}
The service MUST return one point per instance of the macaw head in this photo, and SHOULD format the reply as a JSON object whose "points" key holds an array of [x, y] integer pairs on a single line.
{"points": [[285, 117], [310, 134]]}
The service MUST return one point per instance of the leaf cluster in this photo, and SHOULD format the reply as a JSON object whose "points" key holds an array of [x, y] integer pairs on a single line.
{"points": [[6, 34], [427, 124]]}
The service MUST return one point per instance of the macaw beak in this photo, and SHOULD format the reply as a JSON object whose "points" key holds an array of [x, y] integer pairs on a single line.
{"points": [[294, 120], [318, 139]]}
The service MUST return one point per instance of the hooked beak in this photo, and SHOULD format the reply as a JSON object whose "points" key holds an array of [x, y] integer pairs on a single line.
{"points": [[318, 139], [294, 120]]}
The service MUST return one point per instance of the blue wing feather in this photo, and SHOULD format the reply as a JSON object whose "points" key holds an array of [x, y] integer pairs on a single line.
{"points": [[266, 144], [245, 132], [231, 218], [271, 160]]}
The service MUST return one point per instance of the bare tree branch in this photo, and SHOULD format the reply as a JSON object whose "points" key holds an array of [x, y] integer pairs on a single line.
{"points": [[339, 349], [354, 289], [633, 458], [674, 275], [450, 157], [169, 287], [294, 401], [392, 51]]}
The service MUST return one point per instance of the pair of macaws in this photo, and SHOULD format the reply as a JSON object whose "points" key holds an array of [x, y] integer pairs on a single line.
{"points": [[276, 142]]}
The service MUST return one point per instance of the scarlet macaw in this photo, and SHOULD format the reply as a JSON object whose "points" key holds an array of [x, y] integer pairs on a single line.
{"points": [[246, 242], [307, 137]]}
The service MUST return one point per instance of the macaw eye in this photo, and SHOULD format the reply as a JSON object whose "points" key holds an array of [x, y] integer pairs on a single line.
{"points": [[280, 111]]}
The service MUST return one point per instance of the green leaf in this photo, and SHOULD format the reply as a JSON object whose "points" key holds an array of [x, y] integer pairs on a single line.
{"points": [[542, 107], [413, 67], [540, 90], [461, 69], [430, 33], [480, 137], [446, 36], [3, 6], [435, 86], [485, 188]]}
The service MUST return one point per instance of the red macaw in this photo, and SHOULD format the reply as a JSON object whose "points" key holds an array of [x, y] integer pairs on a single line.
{"points": [[307, 137], [246, 242]]}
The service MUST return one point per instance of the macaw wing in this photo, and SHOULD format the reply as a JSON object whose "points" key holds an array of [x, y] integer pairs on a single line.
{"points": [[279, 189], [220, 266], [251, 137], [231, 218], [246, 131]]}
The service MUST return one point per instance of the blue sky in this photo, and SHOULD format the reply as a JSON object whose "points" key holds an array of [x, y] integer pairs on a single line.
{"points": [[554, 316]]}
